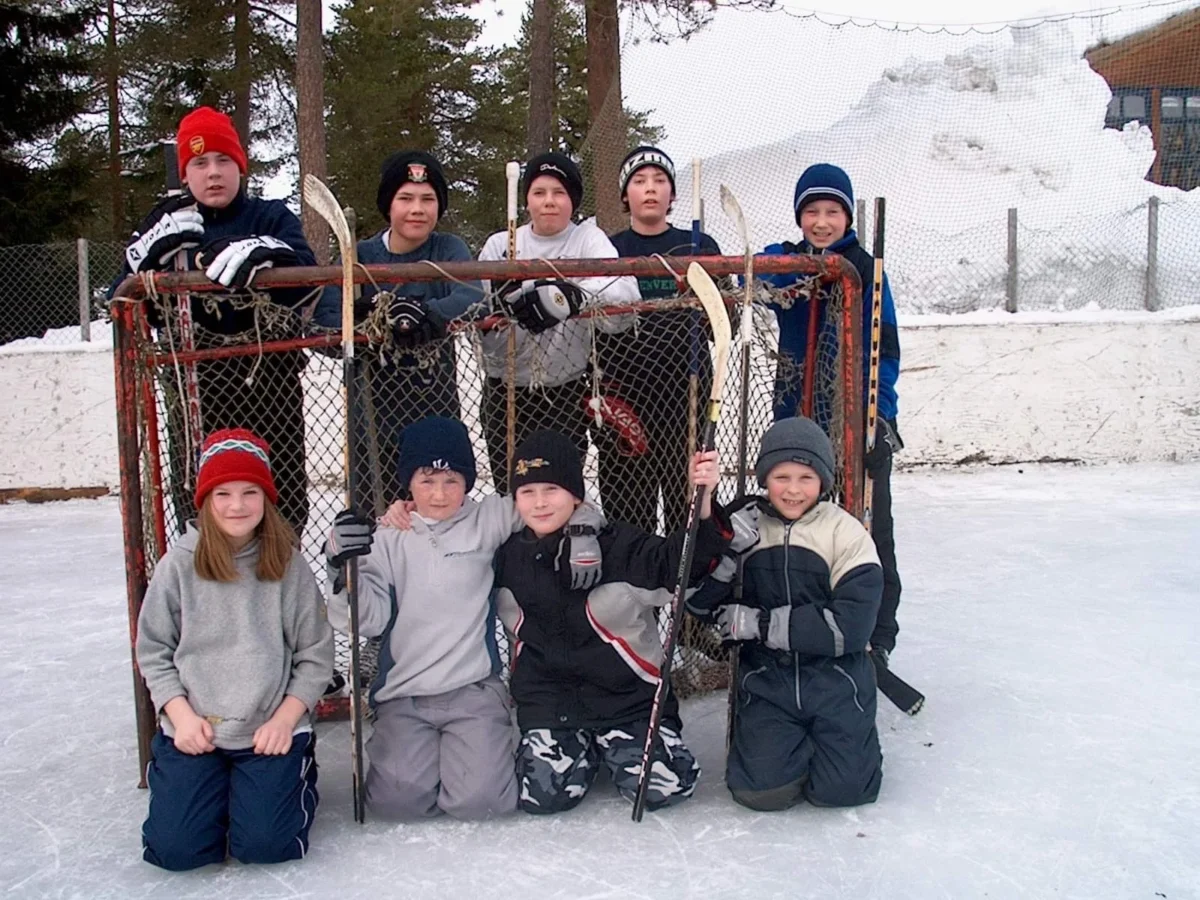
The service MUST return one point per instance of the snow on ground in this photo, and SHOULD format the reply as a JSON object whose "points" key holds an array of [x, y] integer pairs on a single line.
{"points": [[1050, 615]]}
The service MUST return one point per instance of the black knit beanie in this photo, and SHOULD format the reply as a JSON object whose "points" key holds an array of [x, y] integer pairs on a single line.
{"points": [[549, 457], [414, 166], [436, 442], [556, 166]]}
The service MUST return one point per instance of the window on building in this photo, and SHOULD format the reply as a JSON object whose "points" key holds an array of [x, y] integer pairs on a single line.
{"points": [[1172, 107], [1193, 107], [1133, 106]]}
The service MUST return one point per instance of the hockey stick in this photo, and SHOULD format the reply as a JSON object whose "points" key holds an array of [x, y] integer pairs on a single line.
{"points": [[512, 176], [321, 199], [187, 339], [693, 318], [907, 698], [714, 307], [733, 209]]}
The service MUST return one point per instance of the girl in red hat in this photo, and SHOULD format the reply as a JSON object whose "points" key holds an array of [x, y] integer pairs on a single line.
{"points": [[236, 649], [216, 227]]}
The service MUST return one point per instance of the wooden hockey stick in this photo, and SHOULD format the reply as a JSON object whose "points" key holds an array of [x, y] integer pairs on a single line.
{"points": [[733, 209], [512, 177], [906, 697], [321, 199], [714, 308]]}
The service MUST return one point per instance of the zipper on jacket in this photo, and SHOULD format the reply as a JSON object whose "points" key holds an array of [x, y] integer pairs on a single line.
{"points": [[787, 587], [853, 685]]}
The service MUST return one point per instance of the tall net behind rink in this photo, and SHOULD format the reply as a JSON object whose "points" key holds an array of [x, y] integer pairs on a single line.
{"points": [[627, 383]]}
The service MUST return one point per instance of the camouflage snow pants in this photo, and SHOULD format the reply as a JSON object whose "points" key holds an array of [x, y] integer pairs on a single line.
{"points": [[556, 767]]}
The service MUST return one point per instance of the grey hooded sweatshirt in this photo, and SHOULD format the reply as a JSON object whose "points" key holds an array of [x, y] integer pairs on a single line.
{"points": [[234, 650]]}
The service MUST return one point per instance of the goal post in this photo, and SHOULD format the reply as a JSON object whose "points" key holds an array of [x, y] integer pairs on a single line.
{"points": [[614, 377]]}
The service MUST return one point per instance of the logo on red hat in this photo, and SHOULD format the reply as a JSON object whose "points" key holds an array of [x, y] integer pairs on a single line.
{"points": [[417, 173], [196, 145]]}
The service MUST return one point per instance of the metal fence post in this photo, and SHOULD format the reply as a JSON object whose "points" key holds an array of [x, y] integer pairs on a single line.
{"points": [[1010, 293], [85, 289], [1152, 255]]}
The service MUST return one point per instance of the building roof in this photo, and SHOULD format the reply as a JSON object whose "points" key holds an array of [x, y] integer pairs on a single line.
{"points": [[1162, 55]]}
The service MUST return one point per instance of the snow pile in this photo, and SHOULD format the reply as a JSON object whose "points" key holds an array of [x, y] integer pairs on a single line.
{"points": [[953, 144], [64, 340]]}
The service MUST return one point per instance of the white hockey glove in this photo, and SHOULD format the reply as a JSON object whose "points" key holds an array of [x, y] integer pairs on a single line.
{"points": [[234, 262], [173, 225], [744, 523], [542, 304]]}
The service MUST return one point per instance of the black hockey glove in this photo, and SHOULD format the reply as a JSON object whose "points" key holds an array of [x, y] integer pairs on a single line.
{"points": [[542, 304], [887, 442], [173, 225], [351, 536], [234, 262], [413, 324], [579, 562]]}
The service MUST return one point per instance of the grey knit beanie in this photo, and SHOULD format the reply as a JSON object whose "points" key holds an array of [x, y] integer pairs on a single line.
{"points": [[799, 440]]}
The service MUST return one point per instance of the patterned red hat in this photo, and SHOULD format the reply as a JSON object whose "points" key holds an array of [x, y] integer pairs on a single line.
{"points": [[234, 454], [204, 130]]}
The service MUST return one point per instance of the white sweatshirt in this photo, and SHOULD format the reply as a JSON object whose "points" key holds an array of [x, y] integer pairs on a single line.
{"points": [[561, 354]]}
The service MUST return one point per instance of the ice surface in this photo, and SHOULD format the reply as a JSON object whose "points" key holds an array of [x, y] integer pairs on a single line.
{"points": [[1050, 614]]}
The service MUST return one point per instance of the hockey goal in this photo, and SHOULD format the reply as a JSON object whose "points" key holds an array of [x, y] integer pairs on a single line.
{"points": [[633, 408]]}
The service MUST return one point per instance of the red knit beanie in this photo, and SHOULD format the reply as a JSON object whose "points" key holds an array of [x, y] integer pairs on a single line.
{"points": [[234, 454], [204, 130]]}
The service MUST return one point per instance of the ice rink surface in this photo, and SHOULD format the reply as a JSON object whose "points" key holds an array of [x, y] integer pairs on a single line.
{"points": [[1051, 615]]}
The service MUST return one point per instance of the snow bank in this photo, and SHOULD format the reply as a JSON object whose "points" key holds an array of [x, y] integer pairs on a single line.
{"points": [[953, 143]]}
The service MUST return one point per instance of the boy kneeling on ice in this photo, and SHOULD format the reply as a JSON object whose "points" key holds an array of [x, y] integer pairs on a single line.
{"points": [[586, 652], [804, 727], [443, 738]]}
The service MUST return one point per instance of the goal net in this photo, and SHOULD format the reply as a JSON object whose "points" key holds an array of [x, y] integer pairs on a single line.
{"points": [[627, 383]]}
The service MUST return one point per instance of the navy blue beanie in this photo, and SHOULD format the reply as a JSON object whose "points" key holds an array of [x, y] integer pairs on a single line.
{"points": [[824, 182], [436, 443]]}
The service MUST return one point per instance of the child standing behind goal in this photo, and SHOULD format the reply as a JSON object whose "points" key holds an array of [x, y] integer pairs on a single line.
{"points": [[235, 648], [552, 354]]}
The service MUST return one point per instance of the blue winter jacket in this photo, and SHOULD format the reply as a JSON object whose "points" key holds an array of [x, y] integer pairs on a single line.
{"points": [[793, 327]]}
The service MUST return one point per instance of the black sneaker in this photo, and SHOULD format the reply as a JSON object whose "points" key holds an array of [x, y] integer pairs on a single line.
{"points": [[335, 686]]}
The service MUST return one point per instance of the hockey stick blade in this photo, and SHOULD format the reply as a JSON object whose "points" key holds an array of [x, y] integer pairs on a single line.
{"points": [[714, 307], [733, 209], [320, 198], [905, 697]]}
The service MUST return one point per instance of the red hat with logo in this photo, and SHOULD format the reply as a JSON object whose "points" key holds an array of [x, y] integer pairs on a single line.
{"points": [[234, 454], [205, 130]]}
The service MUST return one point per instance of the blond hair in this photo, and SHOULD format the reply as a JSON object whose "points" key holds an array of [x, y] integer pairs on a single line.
{"points": [[214, 555]]}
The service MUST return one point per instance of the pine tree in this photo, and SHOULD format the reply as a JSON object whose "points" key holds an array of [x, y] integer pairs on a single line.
{"points": [[41, 73]]}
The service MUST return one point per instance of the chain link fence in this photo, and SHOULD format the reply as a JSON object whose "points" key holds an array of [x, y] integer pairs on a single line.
{"points": [[1045, 165], [52, 292]]}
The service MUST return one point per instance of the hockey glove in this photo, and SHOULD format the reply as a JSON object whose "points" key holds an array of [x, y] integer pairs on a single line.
{"points": [[542, 304], [613, 412], [744, 524], [413, 324], [749, 623], [234, 262], [887, 442], [173, 225], [578, 561], [351, 536]]}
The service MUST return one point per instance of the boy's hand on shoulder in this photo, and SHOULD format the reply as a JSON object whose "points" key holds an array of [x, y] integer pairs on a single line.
{"points": [[579, 561], [399, 515]]}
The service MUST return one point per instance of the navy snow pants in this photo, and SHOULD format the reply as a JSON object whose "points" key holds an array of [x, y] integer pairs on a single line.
{"points": [[804, 732], [257, 809]]}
